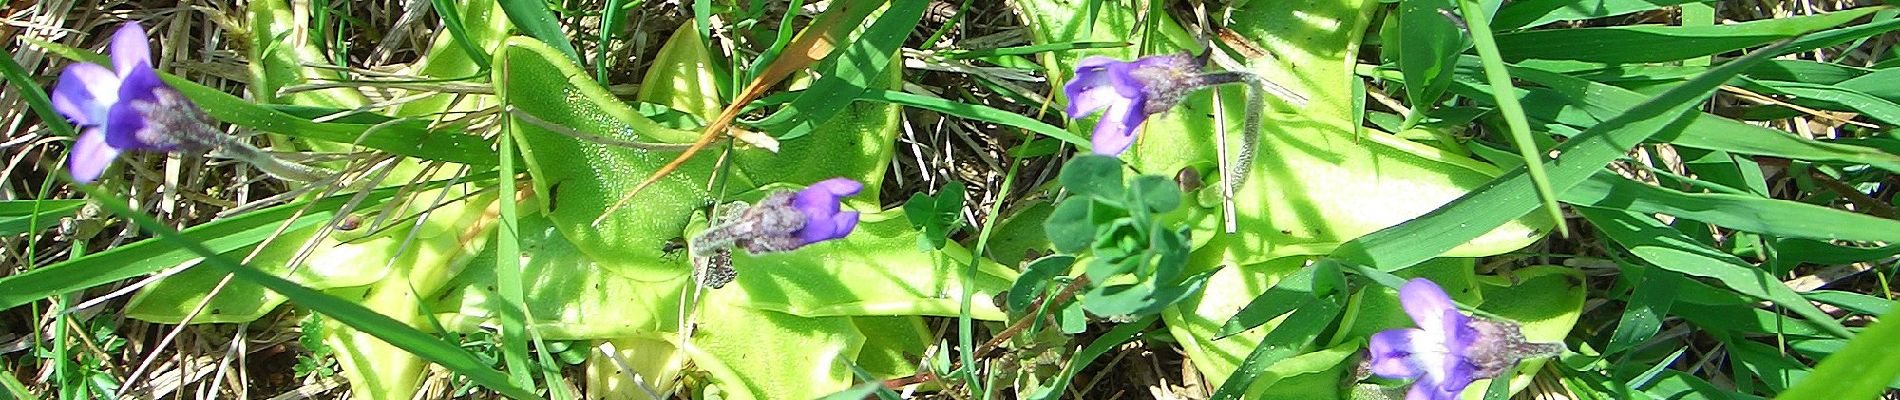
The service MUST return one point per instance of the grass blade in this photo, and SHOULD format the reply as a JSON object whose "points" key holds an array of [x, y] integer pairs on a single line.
{"points": [[1561, 96], [535, 19], [514, 324], [976, 112], [1740, 212], [18, 79], [1287, 340], [22, 216], [1504, 198], [1666, 248], [1656, 43], [1500, 80], [148, 256], [847, 74], [382, 327]]}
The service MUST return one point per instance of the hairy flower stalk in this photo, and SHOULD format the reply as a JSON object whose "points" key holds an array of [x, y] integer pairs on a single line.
{"points": [[1448, 350], [1127, 93], [128, 108]]}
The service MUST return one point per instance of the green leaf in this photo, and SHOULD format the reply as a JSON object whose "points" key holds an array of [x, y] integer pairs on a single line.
{"points": [[577, 181], [937, 216], [758, 354], [1669, 249], [1157, 194], [1427, 44], [1657, 43], [1092, 176], [1035, 280], [1509, 195], [1069, 227]]}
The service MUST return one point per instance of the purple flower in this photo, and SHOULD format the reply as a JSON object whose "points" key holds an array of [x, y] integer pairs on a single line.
{"points": [[125, 108], [1448, 350], [783, 221], [819, 203], [1130, 92]]}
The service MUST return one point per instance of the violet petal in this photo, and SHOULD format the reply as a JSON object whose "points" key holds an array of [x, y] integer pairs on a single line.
{"points": [[90, 155], [125, 122], [1115, 132], [819, 203], [1393, 353], [1427, 304], [84, 92], [130, 47]]}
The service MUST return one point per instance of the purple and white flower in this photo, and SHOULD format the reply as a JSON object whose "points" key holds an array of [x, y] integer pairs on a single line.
{"points": [[126, 108], [1127, 92], [1448, 350]]}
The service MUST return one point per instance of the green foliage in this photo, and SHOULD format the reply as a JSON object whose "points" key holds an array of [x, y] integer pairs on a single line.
{"points": [[1136, 262], [936, 216]]}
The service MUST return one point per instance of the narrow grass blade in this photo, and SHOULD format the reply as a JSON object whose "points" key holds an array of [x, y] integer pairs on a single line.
{"points": [[1500, 80], [1031, 49], [514, 324], [22, 216], [976, 112], [534, 18], [610, 20], [1506, 197], [18, 79], [1830, 97], [1656, 43], [1115, 337], [148, 256], [849, 73], [1583, 104], [452, 21], [423, 345], [1297, 291], [877, 385], [1287, 340], [1741, 212], [1642, 316], [1529, 13], [1666, 248]]}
